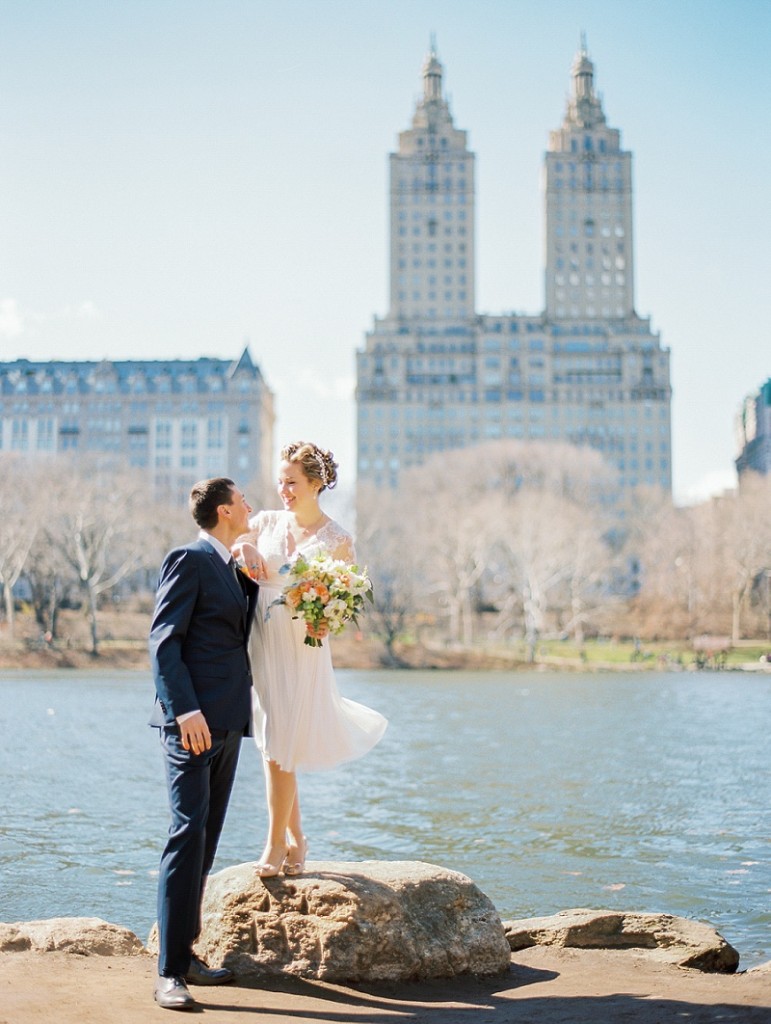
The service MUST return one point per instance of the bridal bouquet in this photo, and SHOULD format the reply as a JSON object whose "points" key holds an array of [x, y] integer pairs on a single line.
{"points": [[324, 590]]}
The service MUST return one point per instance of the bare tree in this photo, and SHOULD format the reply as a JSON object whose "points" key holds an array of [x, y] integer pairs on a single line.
{"points": [[21, 516], [50, 581], [698, 565], [550, 523], [385, 543], [747, 543], [524, 529], [444, 507], [659, 559], [590, 571], [507, 521], [536, 547], [103, 524]]}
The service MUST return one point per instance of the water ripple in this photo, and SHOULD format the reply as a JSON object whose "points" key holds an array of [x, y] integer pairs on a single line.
{"points": [[634, 793]]}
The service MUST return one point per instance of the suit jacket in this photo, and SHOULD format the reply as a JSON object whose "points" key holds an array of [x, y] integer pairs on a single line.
{"points": [[198, 639]]}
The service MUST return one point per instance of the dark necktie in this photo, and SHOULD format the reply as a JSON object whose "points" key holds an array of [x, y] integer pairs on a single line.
{"points": [[239, 578]]}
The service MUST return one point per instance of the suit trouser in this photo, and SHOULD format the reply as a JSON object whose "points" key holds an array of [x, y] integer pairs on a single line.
{"points": [[199, 789]]}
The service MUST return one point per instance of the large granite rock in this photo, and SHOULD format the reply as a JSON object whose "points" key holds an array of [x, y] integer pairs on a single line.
{"points": [[88, 936], [364, 921], [675, 940]]}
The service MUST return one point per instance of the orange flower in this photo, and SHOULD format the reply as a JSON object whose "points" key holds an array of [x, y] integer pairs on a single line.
{"points": [[321, 591]]}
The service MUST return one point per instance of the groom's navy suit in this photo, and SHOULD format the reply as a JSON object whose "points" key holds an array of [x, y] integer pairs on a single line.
{"points": [[200, 661]]}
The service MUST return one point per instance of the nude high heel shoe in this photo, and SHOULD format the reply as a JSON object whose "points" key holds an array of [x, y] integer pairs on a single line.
{"points": [[265, 869], [294, 863]]}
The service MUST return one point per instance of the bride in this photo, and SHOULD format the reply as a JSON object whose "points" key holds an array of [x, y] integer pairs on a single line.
{"points": [[300, 719]]}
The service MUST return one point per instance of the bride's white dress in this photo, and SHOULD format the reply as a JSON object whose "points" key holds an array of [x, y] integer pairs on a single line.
{"points": [[300, 719]]}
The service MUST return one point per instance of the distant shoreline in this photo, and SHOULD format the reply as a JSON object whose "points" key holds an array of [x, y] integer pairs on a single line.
{"points": [[123, 645], [350, 653]]}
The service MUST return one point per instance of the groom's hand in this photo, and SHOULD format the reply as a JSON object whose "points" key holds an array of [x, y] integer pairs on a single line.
{"points": [[195, 733]]}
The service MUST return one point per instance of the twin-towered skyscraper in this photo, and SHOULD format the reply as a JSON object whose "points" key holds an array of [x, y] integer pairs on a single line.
{"points": [[432, 213], [434, 374]]}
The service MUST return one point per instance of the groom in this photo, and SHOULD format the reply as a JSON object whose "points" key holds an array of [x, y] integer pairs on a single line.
{"points": [[198, 652]]}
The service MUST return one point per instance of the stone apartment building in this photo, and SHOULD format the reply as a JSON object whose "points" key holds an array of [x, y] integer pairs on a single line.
{"points": [[435, 374], [753, 432], [174, 420]]}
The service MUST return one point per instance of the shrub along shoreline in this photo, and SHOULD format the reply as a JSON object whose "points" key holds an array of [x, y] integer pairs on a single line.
{"points": [[124, 646]]}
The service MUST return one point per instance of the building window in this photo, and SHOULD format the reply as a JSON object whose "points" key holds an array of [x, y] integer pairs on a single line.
{"points": [[45, 435], [19, 435], [163, 434], [215, 434], [189, 434]]}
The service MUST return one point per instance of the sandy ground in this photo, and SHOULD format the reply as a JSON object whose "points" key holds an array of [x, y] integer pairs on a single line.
{"points": [[543, 986]]}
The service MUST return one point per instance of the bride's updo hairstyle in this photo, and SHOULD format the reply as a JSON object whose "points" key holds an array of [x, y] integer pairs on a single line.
{"points": [[317, 463]]}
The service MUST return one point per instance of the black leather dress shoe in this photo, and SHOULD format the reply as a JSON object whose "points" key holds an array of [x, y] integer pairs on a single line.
{"points": [[199, 974], [172, 994]]}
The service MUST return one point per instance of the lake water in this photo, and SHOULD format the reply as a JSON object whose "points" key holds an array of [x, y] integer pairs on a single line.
{"points": [[644, 792]]}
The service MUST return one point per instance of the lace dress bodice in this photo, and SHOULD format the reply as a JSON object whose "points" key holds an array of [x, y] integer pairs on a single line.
{"points": [[276, 544]]}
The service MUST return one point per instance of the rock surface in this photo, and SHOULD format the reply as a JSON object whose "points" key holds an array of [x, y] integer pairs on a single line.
{"points": [[88, 936], [764, 968], [362, 921], [675, 940]]}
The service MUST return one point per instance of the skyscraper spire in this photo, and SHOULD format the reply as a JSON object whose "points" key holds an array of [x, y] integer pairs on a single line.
{"points": [[432, 74], [432, 109], [584, 107]]}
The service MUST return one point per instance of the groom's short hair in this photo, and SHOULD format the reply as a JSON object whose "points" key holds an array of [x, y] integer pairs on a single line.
{"points": [[205, 498]]}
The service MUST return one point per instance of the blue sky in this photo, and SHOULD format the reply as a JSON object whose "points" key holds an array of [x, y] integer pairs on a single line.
{"points": [[179, 178]]}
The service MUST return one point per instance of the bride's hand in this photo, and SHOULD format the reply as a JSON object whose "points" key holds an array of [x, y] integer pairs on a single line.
{"points": [[319, 631], [246, 554]]}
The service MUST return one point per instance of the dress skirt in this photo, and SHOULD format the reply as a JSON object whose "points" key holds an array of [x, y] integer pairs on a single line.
{"points": [[301, 721]]}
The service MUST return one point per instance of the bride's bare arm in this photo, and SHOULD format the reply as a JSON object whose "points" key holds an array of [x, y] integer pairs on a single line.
{"points": [[245, 552]]}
